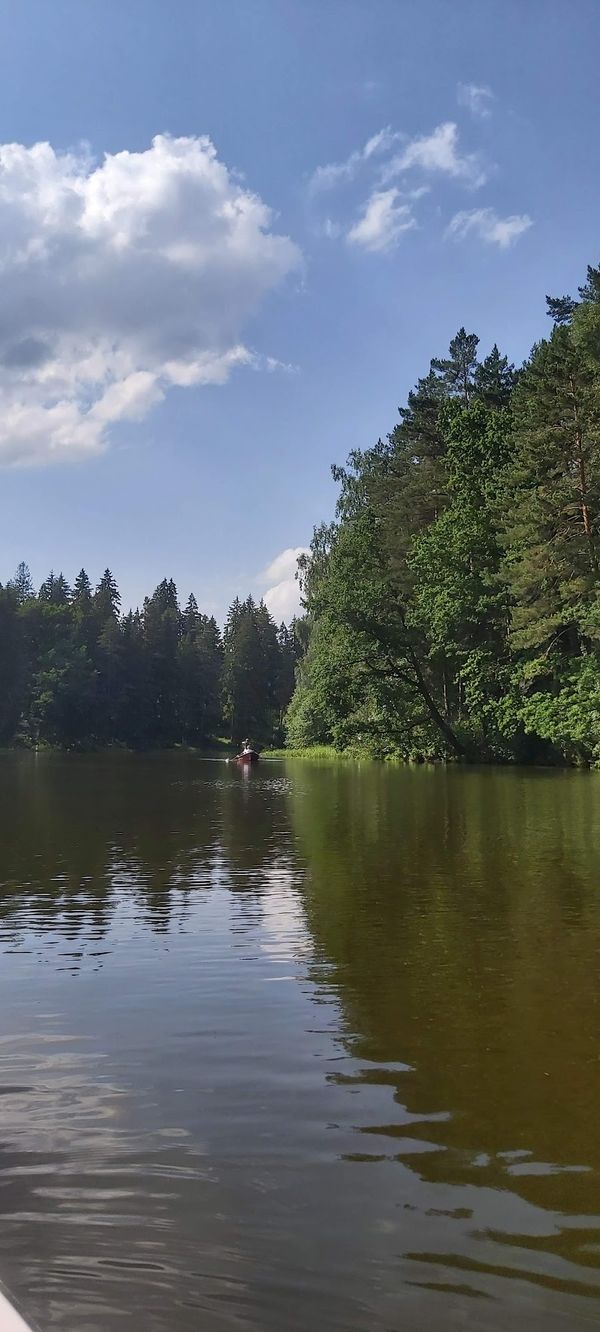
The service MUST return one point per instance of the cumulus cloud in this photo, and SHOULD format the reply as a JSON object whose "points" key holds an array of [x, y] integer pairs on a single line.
{"points": [[121, 279], [437, 153], [477, 99], [485, 223], [282, 594], [383, 221]]}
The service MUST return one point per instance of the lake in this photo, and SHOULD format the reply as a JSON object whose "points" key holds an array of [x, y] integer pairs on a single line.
{"points": [[306, 1047]]}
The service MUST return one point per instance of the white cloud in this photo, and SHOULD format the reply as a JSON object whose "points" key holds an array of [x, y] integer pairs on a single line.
{"points": [[477, 99], [271, 363], [437, 153], [383, 222], [284, 565], [485, 223], [337, 173], [282, 594], [119, 280], [387, 159], [333, 230]]}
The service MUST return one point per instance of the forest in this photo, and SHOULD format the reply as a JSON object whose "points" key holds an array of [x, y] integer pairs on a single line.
{"points": [[77, 674], [451, 608], [453, 605]]}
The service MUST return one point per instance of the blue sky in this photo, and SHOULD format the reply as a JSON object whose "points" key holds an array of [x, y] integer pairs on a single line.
{"points": [[179, 365]]}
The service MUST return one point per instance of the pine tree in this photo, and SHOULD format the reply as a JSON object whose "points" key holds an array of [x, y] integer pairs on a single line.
{"points": [[494, 380], [457, 371], [553, 497], [561, 309], [409, 487], [459, 600], [586, 322]]}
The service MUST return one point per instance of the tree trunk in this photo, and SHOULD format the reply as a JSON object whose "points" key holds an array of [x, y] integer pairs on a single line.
{"points": [[582, 478], [433, 709], [446, 690]]}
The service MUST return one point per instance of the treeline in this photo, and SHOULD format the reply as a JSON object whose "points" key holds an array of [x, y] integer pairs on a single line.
{"points": [[453, 606], [75, 672]]}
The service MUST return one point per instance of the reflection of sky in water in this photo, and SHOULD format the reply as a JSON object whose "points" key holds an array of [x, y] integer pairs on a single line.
{"points": [[203, 1120]]}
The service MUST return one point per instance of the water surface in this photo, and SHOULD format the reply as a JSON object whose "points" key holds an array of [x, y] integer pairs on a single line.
{"points": [[307, 1047]]}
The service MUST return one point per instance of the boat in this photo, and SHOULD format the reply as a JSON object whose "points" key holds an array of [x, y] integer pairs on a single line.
{"points": [[10, 1319], [249, 756]]}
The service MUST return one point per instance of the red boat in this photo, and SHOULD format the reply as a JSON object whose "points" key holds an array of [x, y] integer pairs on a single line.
{"points": [[250, 756]]}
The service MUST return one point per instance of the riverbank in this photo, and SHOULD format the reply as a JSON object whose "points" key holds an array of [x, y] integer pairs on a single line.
{"points": [[315, 752], [328, 754], [221, 747]]}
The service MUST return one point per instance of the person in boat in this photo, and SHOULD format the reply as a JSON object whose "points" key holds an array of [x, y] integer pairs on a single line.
{"points": [[248, 754]]}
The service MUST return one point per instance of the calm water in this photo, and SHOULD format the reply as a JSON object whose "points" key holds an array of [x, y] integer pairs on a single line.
{"points": [[314, 1048]]}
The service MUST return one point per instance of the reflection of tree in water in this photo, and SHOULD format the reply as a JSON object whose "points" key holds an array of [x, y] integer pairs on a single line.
{"points": [[457, 915], [80, 835], [454, 926], [94, 827], [453, 914]]}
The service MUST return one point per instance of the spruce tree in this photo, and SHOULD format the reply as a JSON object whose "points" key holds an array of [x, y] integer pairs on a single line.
{"points": [[107, 598], [55, 590], [12, 663], [22, 585], [81, 599], [161, 619]]}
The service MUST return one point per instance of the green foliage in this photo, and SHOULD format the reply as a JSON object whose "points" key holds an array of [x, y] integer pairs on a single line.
{"points": [[255, 692], [75, 672], [453, 608], [552, 497], [12, 654]]}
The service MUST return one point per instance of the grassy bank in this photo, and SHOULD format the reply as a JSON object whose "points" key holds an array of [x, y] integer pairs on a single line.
{"points": [[321, 752]]}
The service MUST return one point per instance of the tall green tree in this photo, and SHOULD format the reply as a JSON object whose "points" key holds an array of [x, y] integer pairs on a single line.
{"points": [[21, 584], [459, 599], [12, 663], [161, 620], [200, 663], [55, 590], [553, 499], [81, 598], [107, 598], [457, 371], [250, 666]]}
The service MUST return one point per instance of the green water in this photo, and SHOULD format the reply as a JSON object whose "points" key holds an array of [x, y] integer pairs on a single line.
{"points": [[306, 1047]]}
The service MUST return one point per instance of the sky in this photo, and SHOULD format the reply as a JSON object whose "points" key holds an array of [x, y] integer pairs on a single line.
{"points": [[233, 233]]}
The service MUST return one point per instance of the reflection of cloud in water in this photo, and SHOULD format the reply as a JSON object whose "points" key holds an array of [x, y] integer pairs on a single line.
{"points": [[284, 932], [186, 1144]]}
